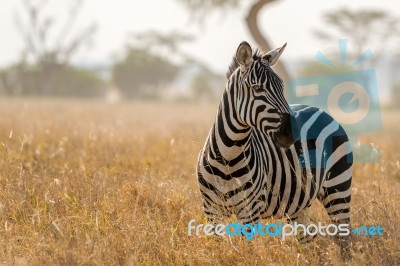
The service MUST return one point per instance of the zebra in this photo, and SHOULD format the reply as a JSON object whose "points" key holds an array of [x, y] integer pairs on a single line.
{"points": [[265, 158]]}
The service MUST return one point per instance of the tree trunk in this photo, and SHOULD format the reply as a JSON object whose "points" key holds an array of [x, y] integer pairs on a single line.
{"points": [[254, 29]]}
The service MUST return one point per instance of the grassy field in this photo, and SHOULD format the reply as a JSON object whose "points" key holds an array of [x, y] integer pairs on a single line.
{"points": [[90, 183]]}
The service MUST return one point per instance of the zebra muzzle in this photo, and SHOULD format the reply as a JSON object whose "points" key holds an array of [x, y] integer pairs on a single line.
{"points": [[288, 132]]}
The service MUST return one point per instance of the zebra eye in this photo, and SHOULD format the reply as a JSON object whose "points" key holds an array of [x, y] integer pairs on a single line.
{"points": [[257, 88]]}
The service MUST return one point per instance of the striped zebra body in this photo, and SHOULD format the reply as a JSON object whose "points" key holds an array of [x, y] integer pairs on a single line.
{"points": [[264, 158], [287, 181]]}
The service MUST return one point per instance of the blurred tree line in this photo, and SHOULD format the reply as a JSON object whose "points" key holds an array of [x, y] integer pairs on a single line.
{"points": [[152, 61], [45, 69]]}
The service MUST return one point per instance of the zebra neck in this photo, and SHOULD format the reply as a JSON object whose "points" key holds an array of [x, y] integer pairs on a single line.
{"points": [[229, 139]]}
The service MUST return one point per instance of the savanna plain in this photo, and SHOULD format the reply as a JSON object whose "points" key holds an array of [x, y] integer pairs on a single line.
{"points": [[90, 183]]}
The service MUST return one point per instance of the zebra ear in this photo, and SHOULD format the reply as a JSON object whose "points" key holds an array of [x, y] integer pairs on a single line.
{"points": [[273, 55], [244, 55]]}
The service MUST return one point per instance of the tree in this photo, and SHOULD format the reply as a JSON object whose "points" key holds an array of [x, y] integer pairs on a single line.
{"points": [[365, 28], [142, 73], [45, 58], [154, 59], [202, 7], [42, 45]]}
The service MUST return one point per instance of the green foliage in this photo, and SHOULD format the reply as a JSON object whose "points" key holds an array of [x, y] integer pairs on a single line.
{"points": [[48, 79], [140, 74], [80, 82]]}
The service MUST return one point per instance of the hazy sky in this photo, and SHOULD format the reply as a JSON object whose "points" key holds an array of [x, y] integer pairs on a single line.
{"points": [[216, 40]]}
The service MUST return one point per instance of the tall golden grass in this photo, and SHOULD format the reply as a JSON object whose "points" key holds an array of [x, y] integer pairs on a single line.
{"points": [[90, 183]]}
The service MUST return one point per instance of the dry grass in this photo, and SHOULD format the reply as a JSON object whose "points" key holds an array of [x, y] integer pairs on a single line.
{"points": [[87, 183]]}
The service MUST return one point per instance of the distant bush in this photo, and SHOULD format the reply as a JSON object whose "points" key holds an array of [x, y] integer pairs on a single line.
{"points": [[142, 74], [50, 80], [79, 82]]}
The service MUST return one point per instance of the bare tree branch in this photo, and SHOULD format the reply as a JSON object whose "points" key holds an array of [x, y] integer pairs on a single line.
{"points": [[36, 30], [252, 25], [69, 23], [73, 46], [202, 8]]}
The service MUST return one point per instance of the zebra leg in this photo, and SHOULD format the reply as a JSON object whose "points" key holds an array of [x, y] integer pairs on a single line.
{"points": [[337, 205], [303, 219], [335, 193]]}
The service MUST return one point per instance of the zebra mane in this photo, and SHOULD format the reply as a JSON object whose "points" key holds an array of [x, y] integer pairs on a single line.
{"points": [[235, 64]]}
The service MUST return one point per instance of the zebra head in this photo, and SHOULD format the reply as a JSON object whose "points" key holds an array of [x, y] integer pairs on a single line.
{"points": [[259, 97]]}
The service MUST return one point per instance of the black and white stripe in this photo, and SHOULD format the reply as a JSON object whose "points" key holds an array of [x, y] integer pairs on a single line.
{"points": [[264, 158]]}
